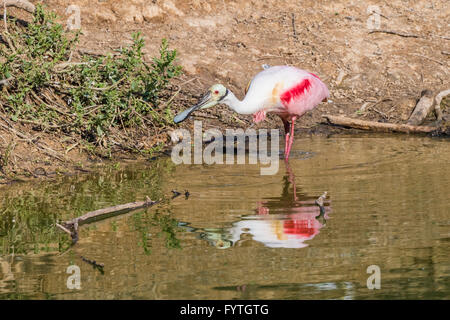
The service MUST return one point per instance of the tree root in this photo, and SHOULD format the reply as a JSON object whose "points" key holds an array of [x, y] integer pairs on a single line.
{"points": [[422, 109]]}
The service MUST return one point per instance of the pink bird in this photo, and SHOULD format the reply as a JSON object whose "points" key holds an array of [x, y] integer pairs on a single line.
{"points": [[286, 91]]}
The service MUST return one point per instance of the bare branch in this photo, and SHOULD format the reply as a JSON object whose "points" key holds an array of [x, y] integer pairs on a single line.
{"points": [[21, 4], [401, 34]]}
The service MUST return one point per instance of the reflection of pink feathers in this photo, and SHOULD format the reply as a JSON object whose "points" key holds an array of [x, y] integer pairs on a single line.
{"points": [[280, 231], [302, 225]]}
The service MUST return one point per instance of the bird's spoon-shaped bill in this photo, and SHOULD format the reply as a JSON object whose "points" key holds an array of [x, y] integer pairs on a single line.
{"points": [[186, 113]]}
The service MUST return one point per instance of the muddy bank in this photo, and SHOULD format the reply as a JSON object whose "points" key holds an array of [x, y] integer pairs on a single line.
{"points": [[376, 76]]}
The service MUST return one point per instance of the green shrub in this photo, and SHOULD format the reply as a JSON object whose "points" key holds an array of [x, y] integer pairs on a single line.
{"points": [[88, 97]]}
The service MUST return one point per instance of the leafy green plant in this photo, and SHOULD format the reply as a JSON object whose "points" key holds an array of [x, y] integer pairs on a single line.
{"points": [[91, 97]]}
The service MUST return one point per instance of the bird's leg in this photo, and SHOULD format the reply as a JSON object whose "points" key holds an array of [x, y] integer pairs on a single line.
{"points": [[291, 138], [287, 127]]}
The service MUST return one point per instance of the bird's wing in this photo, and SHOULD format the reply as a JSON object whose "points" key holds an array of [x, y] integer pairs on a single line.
{"points": [[265, 88], [269, 86]]}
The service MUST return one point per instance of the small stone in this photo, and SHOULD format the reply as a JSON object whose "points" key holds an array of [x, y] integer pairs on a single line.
{"points": [[152, 12], [105, 16]]}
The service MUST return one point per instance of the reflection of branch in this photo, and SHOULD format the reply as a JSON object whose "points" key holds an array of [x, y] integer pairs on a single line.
{"points": [[71, 226], [113, 209], [97, 265]]}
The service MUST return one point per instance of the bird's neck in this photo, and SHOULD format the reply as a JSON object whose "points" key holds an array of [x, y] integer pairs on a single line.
{"points": [[242, 107]]}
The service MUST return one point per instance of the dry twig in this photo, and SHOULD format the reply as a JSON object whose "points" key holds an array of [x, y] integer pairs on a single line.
{"points": [[401, 34]]}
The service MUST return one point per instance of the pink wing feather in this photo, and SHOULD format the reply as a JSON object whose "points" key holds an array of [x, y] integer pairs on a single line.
{"points": [[304, 95]]}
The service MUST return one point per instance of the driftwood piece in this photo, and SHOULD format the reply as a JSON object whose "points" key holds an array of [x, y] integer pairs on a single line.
{"points": [[114, 209], [21, 4], [71, 226], [377, 126], [437, 105], [64, 229], [422, 109]]}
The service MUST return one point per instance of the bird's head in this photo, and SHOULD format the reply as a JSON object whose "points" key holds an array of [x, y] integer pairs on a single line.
{"points": [[213, 96]]}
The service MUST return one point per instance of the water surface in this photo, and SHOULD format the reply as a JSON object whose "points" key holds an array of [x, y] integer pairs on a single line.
{"points": [[241, 235]]}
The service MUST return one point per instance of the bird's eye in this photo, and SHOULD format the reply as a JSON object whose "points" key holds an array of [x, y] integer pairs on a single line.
{"points": [[216, 92]]}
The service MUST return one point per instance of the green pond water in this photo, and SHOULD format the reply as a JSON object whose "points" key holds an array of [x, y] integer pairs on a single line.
{"points": [[240, 235]]}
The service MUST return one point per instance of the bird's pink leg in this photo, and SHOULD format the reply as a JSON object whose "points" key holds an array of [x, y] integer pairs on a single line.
{"points": [[291, 139], [286, 132]]}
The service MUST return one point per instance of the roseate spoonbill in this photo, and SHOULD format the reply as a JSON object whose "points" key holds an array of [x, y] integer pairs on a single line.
{"points": [[286, 91]]}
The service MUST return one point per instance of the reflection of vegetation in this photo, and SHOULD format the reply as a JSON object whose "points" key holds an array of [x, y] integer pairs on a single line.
{"points": [[26, 225], [28, 212], [168, 226], [216, 237], [145, 223]]}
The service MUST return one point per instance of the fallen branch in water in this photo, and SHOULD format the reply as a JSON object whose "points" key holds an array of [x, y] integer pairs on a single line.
{"points": [[64, 229], [71, 226], [114, 209], [377, 126]]}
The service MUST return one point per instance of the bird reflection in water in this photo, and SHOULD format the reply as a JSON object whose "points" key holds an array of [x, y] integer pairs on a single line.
{"points": [[280, 222]]}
